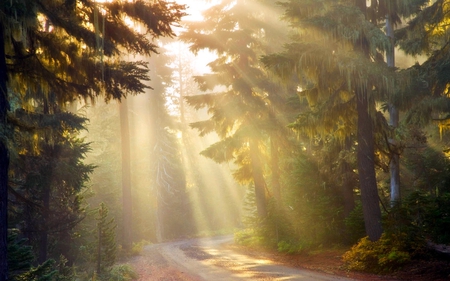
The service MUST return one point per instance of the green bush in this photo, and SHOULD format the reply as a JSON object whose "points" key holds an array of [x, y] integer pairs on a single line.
{"points": [[122, 272], [292, 247], [20, 258], [382, 256], [138, 247], [354, 225], [430, 214], [248, 237]]}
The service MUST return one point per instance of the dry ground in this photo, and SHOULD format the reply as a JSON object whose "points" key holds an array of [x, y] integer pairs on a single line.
{"points": [[151, 265], [331, 262]]}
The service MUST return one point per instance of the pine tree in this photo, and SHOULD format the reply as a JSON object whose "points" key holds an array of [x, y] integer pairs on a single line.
{"points": [[242, 113], [48, 177], [173, 211], [106, 240], [426, 34], [75, 57], [20, 259], [337, 55]]}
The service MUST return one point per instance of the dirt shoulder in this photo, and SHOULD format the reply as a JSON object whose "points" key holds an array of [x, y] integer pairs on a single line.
{"points": [[330, 262], [153, 265]]}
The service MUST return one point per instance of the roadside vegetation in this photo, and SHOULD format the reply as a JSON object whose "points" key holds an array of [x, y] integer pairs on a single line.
{"points": [[318, 124]]}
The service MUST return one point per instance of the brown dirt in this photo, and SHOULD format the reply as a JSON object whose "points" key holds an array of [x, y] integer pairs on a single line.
{"points": [[151, 265], [330, 262]]}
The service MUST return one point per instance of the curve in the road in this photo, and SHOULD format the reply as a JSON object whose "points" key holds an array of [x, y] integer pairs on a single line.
{"points": [[218, 264]]}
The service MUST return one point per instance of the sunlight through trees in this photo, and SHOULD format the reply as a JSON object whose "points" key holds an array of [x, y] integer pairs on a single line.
{"points": [[295, 125]]}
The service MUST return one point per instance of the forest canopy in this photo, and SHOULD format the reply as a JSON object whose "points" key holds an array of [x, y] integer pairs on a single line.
{"points": [[319, 122]]}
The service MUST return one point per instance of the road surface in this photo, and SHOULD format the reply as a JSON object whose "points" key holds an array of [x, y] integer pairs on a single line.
{"points": [[205, 259]]}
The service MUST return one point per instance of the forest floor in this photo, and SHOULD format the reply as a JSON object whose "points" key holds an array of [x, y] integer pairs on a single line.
{"points": [[152, 265], [330, 261]]}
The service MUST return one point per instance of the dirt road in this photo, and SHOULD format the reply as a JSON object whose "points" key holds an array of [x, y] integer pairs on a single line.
{"points": [[205, 259]]}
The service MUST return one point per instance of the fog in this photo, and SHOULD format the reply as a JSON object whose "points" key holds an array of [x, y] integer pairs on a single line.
{"points": [[204, 199]]}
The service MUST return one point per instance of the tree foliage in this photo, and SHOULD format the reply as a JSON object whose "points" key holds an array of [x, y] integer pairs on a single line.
{"points": [[55, 52], [243, 110]]}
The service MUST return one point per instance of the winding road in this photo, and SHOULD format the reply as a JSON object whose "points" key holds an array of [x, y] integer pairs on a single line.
{"points": [[205, 259]]}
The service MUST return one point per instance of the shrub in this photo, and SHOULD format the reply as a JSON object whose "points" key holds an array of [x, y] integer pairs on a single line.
{"points": [[292, 247], [248, 237], [122, 272], [354, 225], [138, 247], [384, 255]]}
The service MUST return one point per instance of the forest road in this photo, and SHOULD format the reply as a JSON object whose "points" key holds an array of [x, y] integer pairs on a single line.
{"points": [[205, 259]]}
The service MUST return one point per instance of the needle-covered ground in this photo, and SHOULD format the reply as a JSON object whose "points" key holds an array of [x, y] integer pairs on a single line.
{"points": [[151, 265], [330, 261]]}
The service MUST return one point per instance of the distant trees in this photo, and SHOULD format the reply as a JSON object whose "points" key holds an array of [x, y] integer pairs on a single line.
{"points": [[173, 216], [68, 55], [106, 240], [240, 113], [337, 60], [303, 123], [342, 73]]}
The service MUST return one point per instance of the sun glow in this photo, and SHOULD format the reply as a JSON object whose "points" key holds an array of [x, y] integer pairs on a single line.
{"points": [[195, 8]]}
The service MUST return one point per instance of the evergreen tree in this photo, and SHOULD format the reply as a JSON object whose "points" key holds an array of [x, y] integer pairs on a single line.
{"points": [[127, 212], [48, 178], [337, 56], [173, 214], [75, 57], [242, 114], [20, 260], [426, 34], [106, 240]]}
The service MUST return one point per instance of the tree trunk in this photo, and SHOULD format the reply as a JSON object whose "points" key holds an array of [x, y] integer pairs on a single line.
{"points": [[394, 164], [258, 180], [4, 162], [275, 171], [347, 183], [126, 176], [99, 248], [159, 219], [366, 155], [46, 190], [366, 169], [43, 239]]}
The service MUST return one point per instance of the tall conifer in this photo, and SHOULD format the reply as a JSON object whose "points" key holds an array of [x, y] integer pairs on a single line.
{"points": [[60, 54], [242, 112], [337, 55]]}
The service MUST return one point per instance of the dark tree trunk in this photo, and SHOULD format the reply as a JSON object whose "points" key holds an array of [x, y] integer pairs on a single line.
{"points": [[46, 190], [365, 152], [43, 239], [347, 183], [4, 163], [258, 180], [126, 176], [366, 169]]}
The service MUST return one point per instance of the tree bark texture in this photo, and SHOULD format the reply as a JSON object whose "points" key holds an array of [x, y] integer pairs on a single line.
{"points": [[258, 180], [366, 169], [126, 176], [43, 239], [347, 183], [394, 164], [4, 162], [365, 153]]}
